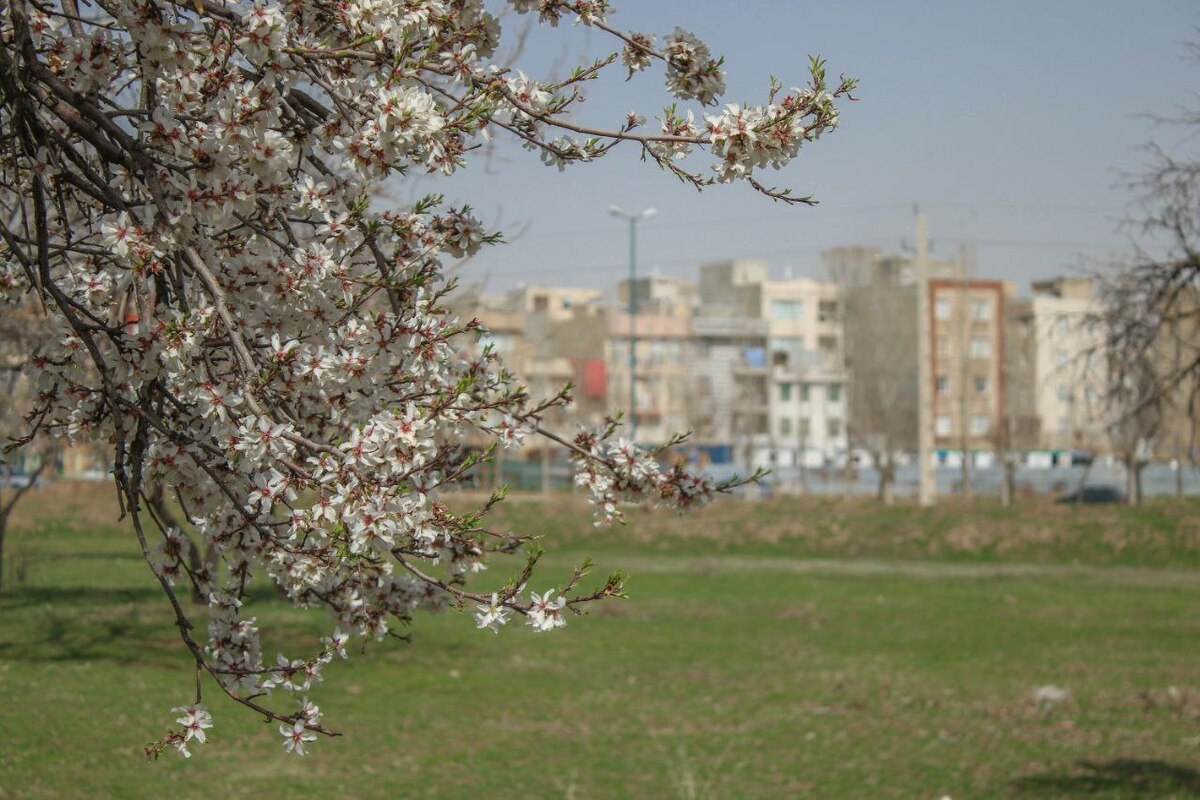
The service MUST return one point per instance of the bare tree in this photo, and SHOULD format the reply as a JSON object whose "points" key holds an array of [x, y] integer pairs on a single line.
{"points": [[19, 339], [881, 356], [1152, 307], [1154, 299], [1018, 423]]}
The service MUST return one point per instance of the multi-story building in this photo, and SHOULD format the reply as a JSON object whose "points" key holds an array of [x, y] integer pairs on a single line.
{"points": [[967, 352], [556, 302], [880, 297], [659, 293], [1065, 321], [659, 400], [548, 338], [1020, 425], [770, 365]]}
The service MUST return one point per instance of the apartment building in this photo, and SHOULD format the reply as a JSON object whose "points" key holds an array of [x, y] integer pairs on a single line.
{"points": [[548, 337], [1020, 425], [659, 293], [654, 391], [770, 365], [557, 303], [880, 309], [1068, 369], [967, 352]]}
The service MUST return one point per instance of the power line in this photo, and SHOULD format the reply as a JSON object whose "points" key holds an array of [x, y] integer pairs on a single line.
{"points": [[775, 219], [785, 251]]}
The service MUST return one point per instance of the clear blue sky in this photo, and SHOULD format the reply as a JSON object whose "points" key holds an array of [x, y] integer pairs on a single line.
{"points": [[1009, 122]]}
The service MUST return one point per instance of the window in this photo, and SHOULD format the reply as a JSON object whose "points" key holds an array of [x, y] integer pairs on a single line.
{"points": [[789, 343], [981, 384], [943, 345], [981, 347], [943, 385], [1061, 324], [1064, 426], [804, 393], [941, 308], [785, 426], [942, 425], [787, 309], [979, 424], [541, 302], [827, 311], [833, 427], [1063, 358], [1064, 394], [785, 392], [804, 428], [981, 310], [835, 392]]}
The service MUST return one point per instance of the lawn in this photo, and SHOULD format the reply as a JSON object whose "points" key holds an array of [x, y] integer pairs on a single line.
{"points": [[797, 648]]}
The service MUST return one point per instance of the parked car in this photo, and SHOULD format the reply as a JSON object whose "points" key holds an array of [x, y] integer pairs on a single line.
{"points": [[1094, 495]]}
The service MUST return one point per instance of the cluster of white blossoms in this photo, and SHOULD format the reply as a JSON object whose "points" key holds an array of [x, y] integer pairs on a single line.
{"points": [[692, 72], [194, 721], [192, 188], [618, 471]]}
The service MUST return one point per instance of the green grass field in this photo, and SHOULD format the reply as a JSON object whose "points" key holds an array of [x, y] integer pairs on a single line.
{"points": [[797, 648]]}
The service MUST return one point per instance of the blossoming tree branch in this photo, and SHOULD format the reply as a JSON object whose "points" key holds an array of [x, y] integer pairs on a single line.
{"points": [[187, 189]]}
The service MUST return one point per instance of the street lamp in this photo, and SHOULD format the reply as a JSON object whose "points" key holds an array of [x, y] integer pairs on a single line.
{"points": [[633, 221]]}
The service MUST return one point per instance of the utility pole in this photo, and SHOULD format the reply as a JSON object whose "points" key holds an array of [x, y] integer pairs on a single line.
{"points": [[927, 487], [633, 221]]}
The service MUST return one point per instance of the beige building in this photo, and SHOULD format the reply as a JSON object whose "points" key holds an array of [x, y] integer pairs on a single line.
{"points": [[556, 302], [657, 293], [548, 338], [661, 393], [770, 365], [1068, 364]]}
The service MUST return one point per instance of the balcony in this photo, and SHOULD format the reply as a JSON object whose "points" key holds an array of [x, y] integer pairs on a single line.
{"points": [[751, 362], [805, 363], [730, 327]]}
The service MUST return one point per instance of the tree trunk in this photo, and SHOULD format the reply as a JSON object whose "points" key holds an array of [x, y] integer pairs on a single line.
{"points": [[7, 507], [966, 473], [1008, 487], [1178, 469], [3, 530], [1133, 481], [887, 478]]}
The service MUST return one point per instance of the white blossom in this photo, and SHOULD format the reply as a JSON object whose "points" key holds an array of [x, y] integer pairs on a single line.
{"points": [[238, 318]]}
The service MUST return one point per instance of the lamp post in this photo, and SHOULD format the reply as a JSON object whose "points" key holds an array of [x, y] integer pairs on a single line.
{"points": [[633, 221]]}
